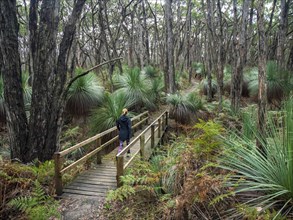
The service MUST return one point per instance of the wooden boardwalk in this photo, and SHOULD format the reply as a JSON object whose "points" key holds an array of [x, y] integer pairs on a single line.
{"points": [[96, 182]]}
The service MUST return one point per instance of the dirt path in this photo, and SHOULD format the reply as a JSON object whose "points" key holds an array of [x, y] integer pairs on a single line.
{"points": [[90, 208]]}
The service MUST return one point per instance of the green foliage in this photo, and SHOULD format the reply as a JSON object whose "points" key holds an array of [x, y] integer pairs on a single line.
{"points": [[84, 94], [199, 69], [120, 194], [156, 91], [203, 86], [207, 138], [279, 82], [105, 116], [268, 175], [38, 205], [135, 85], [182, 107], [27, 90], [151, 72]]}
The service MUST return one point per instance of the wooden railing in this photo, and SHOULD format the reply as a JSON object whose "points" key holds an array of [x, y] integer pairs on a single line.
{"points": [[157, 129], [59, 157]]}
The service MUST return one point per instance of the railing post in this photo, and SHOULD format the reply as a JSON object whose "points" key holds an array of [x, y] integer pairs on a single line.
{"points": [[99, 154], [166, 120], [58, 175], [147, 121], [120, 171], [159, 128], [142, 146], [152, 136]]}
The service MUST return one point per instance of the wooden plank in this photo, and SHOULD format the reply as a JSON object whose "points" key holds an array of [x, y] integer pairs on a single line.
{"points": [[101, 172], [94, 186], [90, 183], [99, 177], [77, 196], [95, 180], [90, 175], [91, 189], [84, 192]]}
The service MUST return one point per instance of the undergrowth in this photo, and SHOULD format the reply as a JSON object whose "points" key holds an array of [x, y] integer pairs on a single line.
{"points": [[28, 189], [179, 182]]}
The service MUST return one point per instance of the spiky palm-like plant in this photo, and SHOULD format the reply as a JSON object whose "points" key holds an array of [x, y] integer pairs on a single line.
{"points": [[27, 90], [156, 90], [2, 108], [279, 83], [105, 116], [83, 95], [136, 86], [151, 72], [27, 94], [264, 179], [182, 107]]}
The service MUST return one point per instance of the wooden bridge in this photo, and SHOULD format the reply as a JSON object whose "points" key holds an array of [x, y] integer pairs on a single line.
{"points": [[110, 166]]}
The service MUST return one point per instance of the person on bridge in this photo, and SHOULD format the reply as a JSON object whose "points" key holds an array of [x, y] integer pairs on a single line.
{"points": [[124, 127]]}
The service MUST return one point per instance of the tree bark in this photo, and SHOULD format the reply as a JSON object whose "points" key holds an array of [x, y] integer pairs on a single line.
{"points": [[39, 139], [11, 72], [170, 69], [239, 55], [282, 33], [262, 81]]}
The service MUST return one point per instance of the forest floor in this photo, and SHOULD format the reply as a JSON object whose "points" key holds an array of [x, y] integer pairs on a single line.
{"points": [[90, 208]]}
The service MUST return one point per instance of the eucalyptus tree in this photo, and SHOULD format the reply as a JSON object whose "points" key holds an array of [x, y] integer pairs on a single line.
{"points": [[36, 137], [169, 64], [262, 81], [240, 51]]}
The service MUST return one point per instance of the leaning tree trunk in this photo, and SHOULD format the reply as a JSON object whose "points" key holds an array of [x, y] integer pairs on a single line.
{"points": [[262, 81], [11, 73]]}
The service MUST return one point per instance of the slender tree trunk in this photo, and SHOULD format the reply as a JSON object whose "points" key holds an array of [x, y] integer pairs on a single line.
{"points": [[210, 37], [146, 34], [170, 69], [239, 54], [262, 81], [221, 58], [187, 46], [11, 72], [282, 33]]}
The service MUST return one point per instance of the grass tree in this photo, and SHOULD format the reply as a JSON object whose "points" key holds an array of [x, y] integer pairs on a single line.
{"points": [[183, 106], [83, 95], [105, 116], [27, 94], [279, 83], [136, 86], [265, 181]]}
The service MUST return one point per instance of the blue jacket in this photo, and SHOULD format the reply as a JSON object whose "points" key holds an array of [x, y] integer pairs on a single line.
{"points": [[124, 126]]}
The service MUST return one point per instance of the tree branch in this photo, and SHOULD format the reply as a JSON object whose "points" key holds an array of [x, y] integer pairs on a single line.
{"points": [[87, 71]]}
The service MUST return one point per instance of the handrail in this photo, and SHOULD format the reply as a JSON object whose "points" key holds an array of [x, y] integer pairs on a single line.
{"points": [[91, 139], [158, 125], [58, 156]]}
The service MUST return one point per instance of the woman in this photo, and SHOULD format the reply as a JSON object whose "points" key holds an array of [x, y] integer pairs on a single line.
{"points": [[124, 127]]}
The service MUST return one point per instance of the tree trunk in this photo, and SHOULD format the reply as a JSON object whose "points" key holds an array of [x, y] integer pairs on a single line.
{"points": [[187, 46], [239, 55], [11, 72], [170, 69], [221, 58], [39, 139], [262, 81], [282, 33]]}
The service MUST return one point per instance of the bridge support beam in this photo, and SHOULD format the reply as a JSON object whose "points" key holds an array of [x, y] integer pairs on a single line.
{"points": [[120, 169]]}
